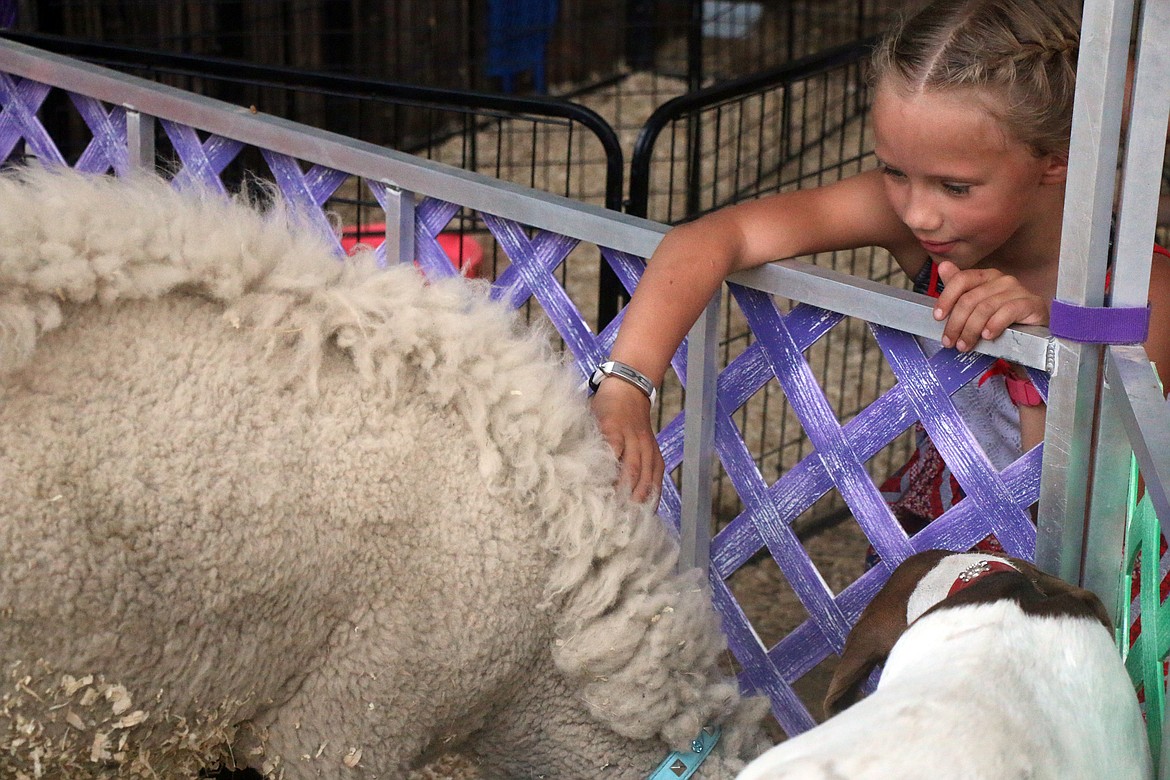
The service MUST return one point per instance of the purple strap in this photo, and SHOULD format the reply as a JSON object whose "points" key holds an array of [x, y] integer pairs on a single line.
{"points": [[1099, 324]]}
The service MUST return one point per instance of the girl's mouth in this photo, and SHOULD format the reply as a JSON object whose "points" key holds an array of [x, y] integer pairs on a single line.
{"points": [[938, 247]]}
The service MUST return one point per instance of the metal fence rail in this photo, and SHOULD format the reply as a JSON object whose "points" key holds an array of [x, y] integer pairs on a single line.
{"points": [[1083, 517]]}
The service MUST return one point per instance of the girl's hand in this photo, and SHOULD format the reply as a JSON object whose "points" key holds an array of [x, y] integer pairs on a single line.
{"points": [[623, 414], [980, 303]]}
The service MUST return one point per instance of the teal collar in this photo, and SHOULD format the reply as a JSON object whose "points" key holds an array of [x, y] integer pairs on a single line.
{"points": [[681, 765]]}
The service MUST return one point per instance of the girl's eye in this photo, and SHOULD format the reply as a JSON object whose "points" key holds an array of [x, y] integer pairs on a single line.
{"points": [[893, 173], [957, 189]]}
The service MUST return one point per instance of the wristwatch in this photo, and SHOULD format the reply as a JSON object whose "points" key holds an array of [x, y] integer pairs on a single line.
{"points": [[626, 373]]}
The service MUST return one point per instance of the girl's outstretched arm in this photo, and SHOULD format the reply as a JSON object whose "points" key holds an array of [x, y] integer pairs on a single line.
{"points": [[688, 268]]}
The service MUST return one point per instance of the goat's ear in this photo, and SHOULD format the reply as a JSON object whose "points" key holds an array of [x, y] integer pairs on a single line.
{"points": [[868, 644], [1063, 598], [873, 636]]}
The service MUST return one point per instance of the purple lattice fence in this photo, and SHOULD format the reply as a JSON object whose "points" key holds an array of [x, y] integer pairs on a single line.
{"points": [[996, 502]]}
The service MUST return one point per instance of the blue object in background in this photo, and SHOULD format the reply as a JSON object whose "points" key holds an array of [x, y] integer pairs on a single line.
{"points": [[518, 33], [7, 13]]}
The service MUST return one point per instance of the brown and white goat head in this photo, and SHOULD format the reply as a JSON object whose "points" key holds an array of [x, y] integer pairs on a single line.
{"points": [[992, 669], [939, 579]]}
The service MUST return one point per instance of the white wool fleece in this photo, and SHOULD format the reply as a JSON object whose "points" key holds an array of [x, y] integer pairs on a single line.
{"points": [[321, 517]]}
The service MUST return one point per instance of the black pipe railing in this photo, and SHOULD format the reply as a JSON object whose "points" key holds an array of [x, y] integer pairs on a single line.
{"points": [[687, 107], [202, 66], [482, 105]]}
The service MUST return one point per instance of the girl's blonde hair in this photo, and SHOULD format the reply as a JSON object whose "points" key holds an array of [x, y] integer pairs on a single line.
{"points": [[1023, 51]]}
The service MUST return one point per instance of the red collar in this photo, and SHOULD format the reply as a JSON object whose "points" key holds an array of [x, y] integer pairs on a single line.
{"points": [[977, 570]]}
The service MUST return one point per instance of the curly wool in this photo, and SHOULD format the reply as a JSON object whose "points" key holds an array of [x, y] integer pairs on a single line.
{"points": [[639, 643], [104, 240]]}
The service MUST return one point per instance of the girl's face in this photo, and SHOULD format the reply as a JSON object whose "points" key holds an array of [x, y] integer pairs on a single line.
{"points": [[959, 181]]}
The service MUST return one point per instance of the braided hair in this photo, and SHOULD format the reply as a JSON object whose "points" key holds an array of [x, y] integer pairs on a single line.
{"points": [[1023, 51]]}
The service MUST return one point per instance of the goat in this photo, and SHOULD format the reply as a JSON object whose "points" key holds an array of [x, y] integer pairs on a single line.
{"points": [[993, 669]]}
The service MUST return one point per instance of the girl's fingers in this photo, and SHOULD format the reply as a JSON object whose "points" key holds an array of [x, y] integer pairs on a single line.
{"points": [[957, 284], [623, 416], [980, 303], [641, 468], [965, 330], [650, 472], [970, 306], [1026, 309], [987, 312]]}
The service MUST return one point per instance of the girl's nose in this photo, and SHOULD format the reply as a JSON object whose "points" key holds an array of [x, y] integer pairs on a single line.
{"points": [[921, 214]]}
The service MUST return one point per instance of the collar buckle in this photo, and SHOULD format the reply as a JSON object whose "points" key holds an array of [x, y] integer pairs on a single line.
{"points": [[681, 765], [980, 568]]}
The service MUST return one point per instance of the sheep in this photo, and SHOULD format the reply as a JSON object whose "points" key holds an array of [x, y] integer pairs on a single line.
{"points": [[993, 669], [267, 509]]}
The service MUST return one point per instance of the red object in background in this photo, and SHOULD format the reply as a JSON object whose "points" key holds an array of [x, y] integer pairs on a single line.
{"points": [[465, 252]]}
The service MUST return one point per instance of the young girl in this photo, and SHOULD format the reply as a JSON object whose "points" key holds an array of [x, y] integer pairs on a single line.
{"points": [[972, 115]]}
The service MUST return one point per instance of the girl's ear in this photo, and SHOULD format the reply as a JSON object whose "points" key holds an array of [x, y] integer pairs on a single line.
{"points": [[1055, 169]]}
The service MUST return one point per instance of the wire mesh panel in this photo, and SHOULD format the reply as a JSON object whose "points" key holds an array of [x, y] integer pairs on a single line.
{"points": [[556, 146], [798, 124], [672, 49]]}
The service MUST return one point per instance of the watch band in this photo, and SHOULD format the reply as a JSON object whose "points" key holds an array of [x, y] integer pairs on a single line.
{"points": [[626, 373]]}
